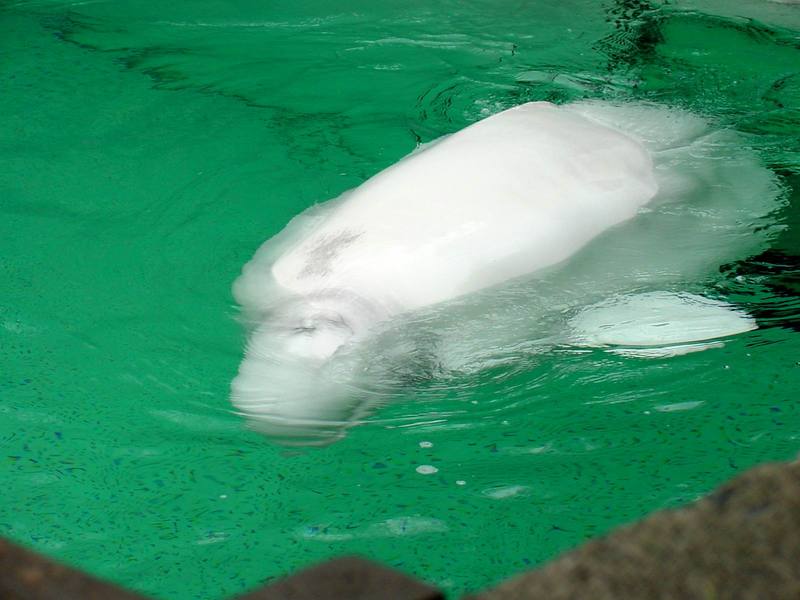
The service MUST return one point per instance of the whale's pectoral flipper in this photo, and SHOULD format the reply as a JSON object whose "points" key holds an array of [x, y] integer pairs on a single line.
{"points": [[658, 324]]}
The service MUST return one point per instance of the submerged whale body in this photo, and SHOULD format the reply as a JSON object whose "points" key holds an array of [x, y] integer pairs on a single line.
{"points": [[508, 199]]}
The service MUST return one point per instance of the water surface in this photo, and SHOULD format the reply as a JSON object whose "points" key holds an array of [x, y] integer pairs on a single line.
{"points": [[148, 149]]}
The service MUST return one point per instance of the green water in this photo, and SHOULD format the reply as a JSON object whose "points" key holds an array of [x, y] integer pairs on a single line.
{"points": [[147, 149]]}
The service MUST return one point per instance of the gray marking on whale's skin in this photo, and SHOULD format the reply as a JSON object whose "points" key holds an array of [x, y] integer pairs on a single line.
{"points": [[322, 254]]}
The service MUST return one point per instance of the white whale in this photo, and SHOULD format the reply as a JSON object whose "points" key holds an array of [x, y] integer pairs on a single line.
{"points": [[499, 205]]}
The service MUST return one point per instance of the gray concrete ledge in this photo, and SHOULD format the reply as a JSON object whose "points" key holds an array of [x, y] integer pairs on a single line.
{"points": [[25, 575], [348, 578], [742, 542]]}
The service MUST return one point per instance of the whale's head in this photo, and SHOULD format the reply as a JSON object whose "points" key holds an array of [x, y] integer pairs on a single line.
{"points": [[290, 384]]}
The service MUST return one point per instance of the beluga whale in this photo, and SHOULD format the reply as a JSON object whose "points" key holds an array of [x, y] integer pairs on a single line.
{"points": [[584, 224]]}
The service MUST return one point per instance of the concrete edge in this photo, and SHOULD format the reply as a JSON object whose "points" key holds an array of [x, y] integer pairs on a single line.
{"points": [[740, 542]]}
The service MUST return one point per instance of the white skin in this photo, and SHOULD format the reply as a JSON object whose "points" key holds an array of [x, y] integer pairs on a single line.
{"points": [[511, 195]]}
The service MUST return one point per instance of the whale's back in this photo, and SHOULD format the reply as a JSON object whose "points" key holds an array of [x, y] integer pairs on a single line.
{"points": [[509, 195]]}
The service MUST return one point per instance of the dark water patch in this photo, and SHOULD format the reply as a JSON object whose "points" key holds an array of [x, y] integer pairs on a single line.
{"points": [[768, 286]]}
